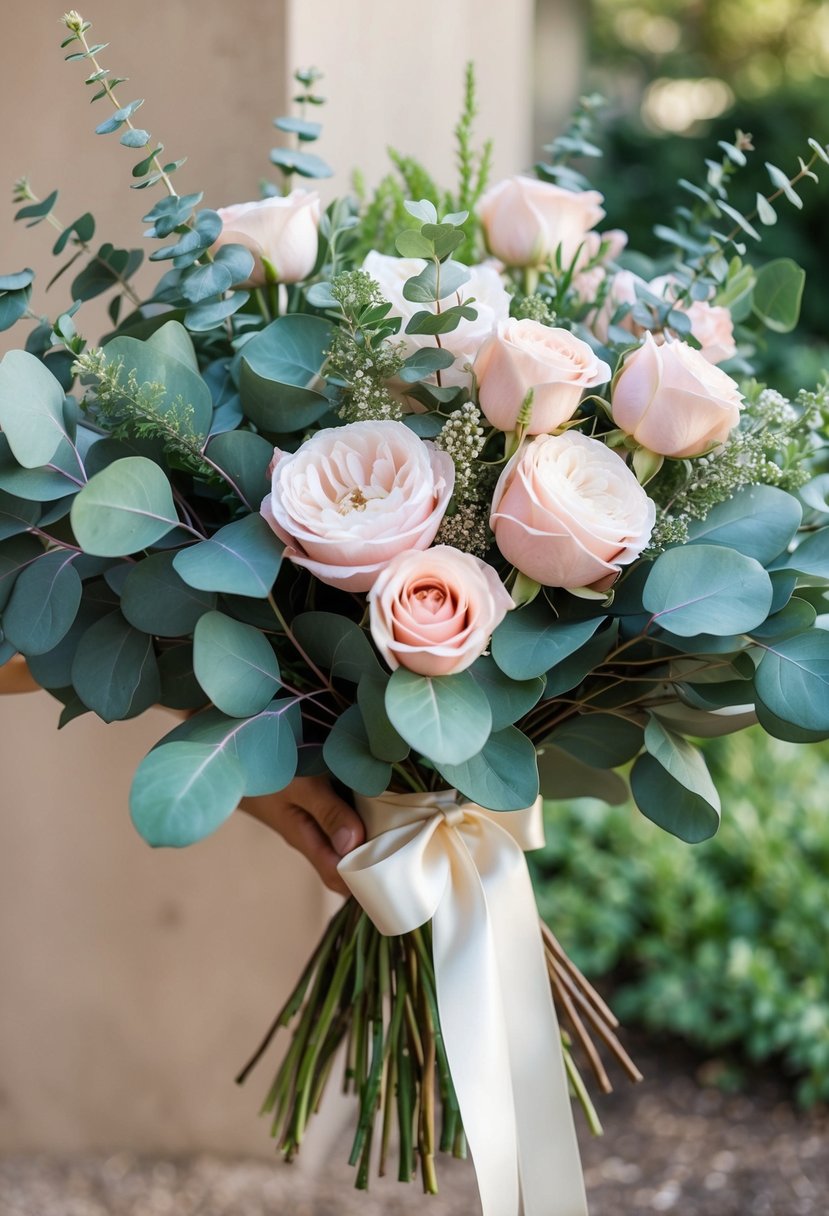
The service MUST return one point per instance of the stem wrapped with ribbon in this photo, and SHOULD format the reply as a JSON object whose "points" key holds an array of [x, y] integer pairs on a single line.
{"points": [[429, 857]]}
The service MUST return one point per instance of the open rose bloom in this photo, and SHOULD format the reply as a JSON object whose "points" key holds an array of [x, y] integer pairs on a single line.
{"points": [[282, 233], [353, 497], [528, 222], [434, 611]]}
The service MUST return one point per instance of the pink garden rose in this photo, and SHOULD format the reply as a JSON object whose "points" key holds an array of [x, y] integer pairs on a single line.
{"points": [[524, 355], [621, 290], [353, 497], [568, 512], [590, 271], [491, 298], [711, 324], [525, 220], [281, 233], [670, 399], [434, 611]]}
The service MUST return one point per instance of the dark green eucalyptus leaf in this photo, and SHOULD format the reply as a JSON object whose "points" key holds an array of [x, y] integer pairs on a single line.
{"points": [[563, 775], [114, 671], [243, 558], [16, 515], [792, 679], [509, 699], [31, 409], [532, 639], [441, 322], [280, 382], [179, 687], [432, 284], [108, 268], [245, 457], [384, 741], [43, 603], [599, 740], [16, 554], [348, 755], [83, 229], [156, 599], [37, 211], [672, 787], [205, 317], [503, 776], [425, 362], [235, 665], [336, 645]]}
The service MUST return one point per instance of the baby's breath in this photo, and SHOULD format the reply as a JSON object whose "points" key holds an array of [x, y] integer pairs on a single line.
{"points": [[463, 438]]}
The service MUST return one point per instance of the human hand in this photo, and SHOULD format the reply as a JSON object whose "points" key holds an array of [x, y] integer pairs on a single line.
{"points": [[312, 818]]}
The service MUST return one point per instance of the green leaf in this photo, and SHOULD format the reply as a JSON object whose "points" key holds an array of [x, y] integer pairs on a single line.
{"points": [[203, 282], [765, 212], [811, 556], [136, 137], [792, 679], [114, 670], [796, 617], [156, 599], [245, 457], [422, 210], [237, 260], [411, 244], [43, 604], [348, 755], [703, 588], [13, 304], [532, 639], [425, 362], [16, 515], [778, 292], [204, 317], [569, 672], [107, 269], [183, 792], [427, 286], [280, 382], [306, 130], [166, 359], [235, 665], [599, 740], [383, 740], [441, 322], [83, 229], [759, 522], [53, 668], [780, 729], [336, 645], [303, 163], [508, 699], [503, 776], [781, 182], [446, 718], [672, 786], [126, 507], [16, 554], [31, 409], [243, 558], [265, 745], [37, 211], [562, 776], [179, 687]]}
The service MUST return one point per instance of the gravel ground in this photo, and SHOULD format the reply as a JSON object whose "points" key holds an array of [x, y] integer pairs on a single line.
{"points": [[672, 1144]]}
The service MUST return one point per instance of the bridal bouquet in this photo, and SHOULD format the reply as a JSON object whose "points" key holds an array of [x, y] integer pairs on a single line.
{"points": [[448, 496]]}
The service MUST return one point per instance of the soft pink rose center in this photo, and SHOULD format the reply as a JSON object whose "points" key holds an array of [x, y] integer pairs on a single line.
{"points": [[428, 603]]}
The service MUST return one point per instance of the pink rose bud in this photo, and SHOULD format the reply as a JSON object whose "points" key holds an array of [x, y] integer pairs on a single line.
{"points": [[568, 512], [524, 355], [282, 231], [670, 399], [352, 497], [525, 221], [713, 328], [434, 611]]}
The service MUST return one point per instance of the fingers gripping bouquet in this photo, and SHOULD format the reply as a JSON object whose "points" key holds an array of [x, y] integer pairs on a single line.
{"points": [[437, 498]]}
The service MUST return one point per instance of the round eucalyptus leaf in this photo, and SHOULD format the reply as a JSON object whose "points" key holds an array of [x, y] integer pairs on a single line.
{"points": [[172, 339], [157, 600], [446, 718], [43, 604], [502, 776], [243, 558], [337, 645], [126, 507], [280, 381], [183, 792], [165, 360], [671, 805], [508, 699], [700, 588], [265, 745], [792, 679], [48, 484], [348, 755], [812, 555], [787, 731], [235, 665], [562, 775], [31, 409], [600, 740], [16, 514], [531, 640], [245, 457], [114, 671], [16, 554], [758, 521], [384, 741]]}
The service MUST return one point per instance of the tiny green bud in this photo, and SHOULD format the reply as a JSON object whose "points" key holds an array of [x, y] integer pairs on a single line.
{"points": [[74, 22]]}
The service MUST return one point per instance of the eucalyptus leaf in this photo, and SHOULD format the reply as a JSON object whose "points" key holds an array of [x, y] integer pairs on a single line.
{"points": [[672, 786], [265, 744], [792, 679], [126, 507], [562, 775], [532, 639], [235, 665], [165, 359], [337, 645], [16, 515], [758, 521], [778, 293], [508, 699], [281, 386], [242, 558], [43, 603], [156, 599], [503, 776], [348, 755], [704, 588], [384, 741], [17, 554], [599, 740], [245, 457], [446, 718], [31, 409], [114, 671], [179, 687], [183, 792]]}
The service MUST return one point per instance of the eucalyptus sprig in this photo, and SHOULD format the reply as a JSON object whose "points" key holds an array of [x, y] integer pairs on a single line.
{"points": [[295, 159]]}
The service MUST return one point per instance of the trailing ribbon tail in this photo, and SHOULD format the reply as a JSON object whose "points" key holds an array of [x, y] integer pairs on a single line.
{"points": [[463, 868]]}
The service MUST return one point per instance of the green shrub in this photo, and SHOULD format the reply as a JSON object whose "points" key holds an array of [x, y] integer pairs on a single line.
{"points": [[725, 942]]}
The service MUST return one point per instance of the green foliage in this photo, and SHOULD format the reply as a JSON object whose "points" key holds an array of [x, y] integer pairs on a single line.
{"points": [[235, 665], [242, 558], [723, 944], [502, 776], [126, 507], [280, 383], [291, 160], [707, 589], [445, 718]]}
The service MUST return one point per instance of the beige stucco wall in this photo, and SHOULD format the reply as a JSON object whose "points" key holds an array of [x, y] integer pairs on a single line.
{"points": [[133, 983]]}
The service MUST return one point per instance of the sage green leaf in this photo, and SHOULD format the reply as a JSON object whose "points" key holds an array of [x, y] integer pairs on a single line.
{"points": [[53, 668], [31, 409], [412, 244], [599, 740], [245, 457], [570, 672], [787, 731], [503, 776], [430, 285], [532, 639], [792, 679], [265, 745], [114, 671], [157, 600], [336, 645], [306, 130], [126, 507], [797, 616], [348, 755], [179, 687], [778, 293], [16, 554], [172, 341], [16, 515], [183, 792], [43, 603], [443, 322], [425, 362], [758, 521], [672, 786], [703, 588], [446, 718], [812, 555], [243, 558], [237, 260], [508, 699], [280, 383], [563, 775], [306, 164], [384, 741], [235, 665], [204, 317], [166, 359]]}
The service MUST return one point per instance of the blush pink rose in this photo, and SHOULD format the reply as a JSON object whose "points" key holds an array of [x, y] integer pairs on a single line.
{"points": [[525, 221], [568, 512], [281, 233], [524, 355], [671, 400], [591, 270], [353, 497], [622, 289], [433, 612], [711, 324]]}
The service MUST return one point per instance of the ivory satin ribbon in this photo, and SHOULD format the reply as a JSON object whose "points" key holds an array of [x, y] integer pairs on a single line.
{"points": [[429, 857]]}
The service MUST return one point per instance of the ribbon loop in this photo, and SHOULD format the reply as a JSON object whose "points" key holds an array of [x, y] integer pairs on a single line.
{"points": [[462, 867]]}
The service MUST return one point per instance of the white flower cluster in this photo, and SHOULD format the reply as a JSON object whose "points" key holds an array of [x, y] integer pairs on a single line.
{"points": [[463, 438]]}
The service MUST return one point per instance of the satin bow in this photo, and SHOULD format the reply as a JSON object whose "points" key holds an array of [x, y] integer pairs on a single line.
{"points": [[462, 867]]}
